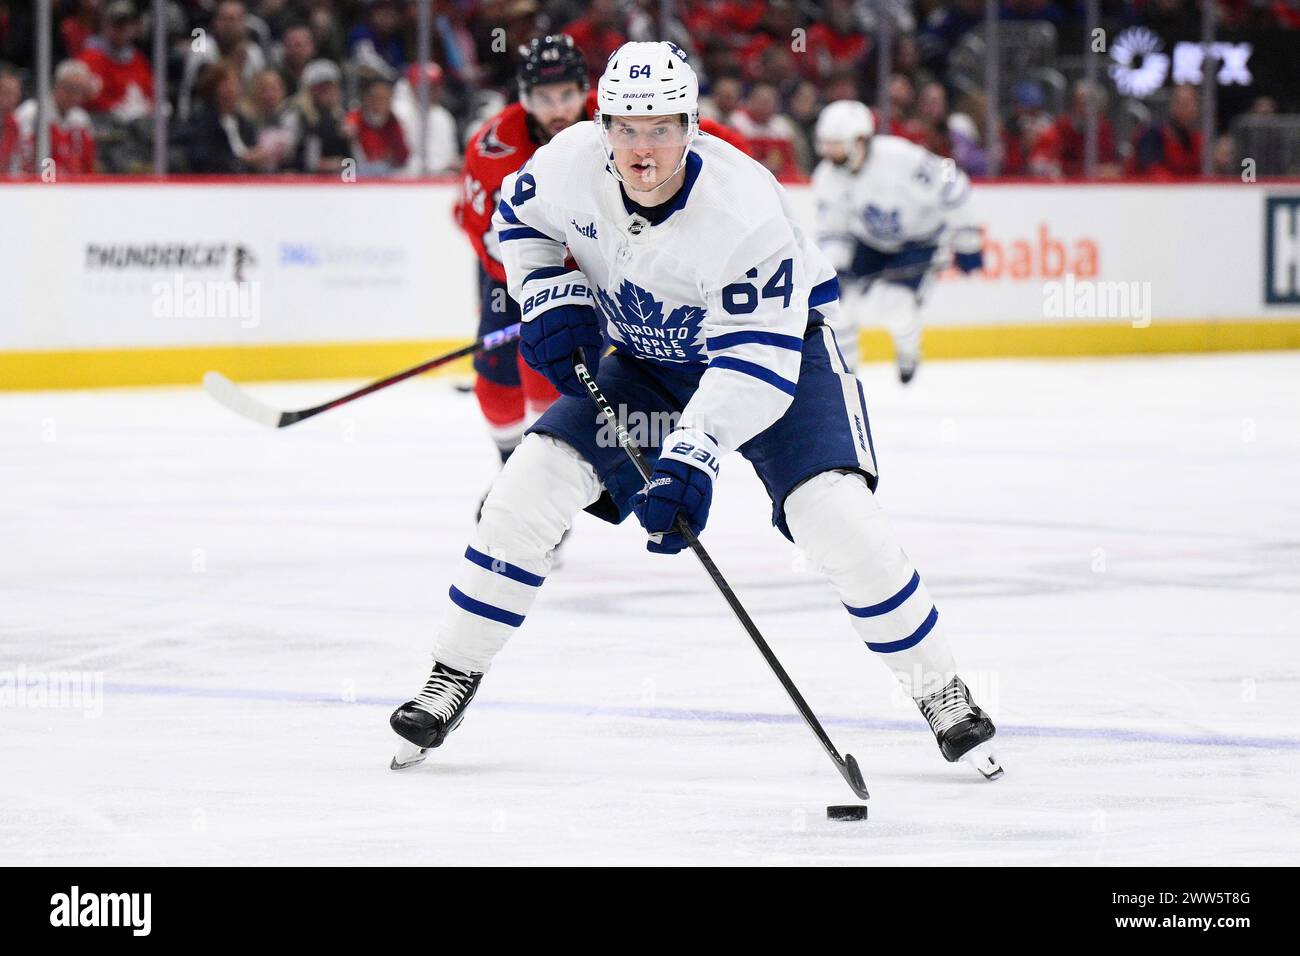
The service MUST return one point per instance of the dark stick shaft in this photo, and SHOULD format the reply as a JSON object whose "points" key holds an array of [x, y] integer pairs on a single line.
{"points": [[487, 342], [849, 770]]}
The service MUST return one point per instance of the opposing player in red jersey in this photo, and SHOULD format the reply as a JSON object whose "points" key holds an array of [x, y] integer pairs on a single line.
{"points": [[552, 97]]}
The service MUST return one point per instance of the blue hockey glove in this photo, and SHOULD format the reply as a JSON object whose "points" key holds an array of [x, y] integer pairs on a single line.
{"points": [[682, 483], [968, 262], [557, 321]]}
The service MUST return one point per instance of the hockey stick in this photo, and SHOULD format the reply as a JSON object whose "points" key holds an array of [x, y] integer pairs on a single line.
{"points": [[846, 765], [241, 403], [907, 272]]}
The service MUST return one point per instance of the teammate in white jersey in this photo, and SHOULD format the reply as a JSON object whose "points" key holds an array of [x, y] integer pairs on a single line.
{"points": [[681, 251], [885, 209]]}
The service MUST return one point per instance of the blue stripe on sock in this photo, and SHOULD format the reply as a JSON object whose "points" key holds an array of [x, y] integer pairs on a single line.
{"points": [[912, 639], [884, 607], [491, 612], [497, 566]]}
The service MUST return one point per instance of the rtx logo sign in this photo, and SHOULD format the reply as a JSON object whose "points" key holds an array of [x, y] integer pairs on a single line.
{"points": [[75, 909], [1282, 250]]}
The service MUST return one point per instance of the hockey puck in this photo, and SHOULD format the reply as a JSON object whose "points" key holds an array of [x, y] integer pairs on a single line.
{"points": [[850, 811]]}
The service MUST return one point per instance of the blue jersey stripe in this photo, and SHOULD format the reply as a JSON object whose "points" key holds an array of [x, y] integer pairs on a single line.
{"points": [[754, 370], [893, 647], [497, 566], [507, 213], [744, 337], [884, 607], [550, 272], [489, 611], [824, 292], [523, 232]]}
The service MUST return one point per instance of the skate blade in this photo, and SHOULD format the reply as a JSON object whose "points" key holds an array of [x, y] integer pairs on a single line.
{"points": [[408, 755], [982, 759]]}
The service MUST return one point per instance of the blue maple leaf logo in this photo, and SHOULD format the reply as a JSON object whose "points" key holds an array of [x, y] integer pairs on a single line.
{"points": [[634, 312]]}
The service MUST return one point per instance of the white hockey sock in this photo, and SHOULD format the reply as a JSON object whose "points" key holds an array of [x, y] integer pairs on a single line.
{"points": [[531, 504], [838, 524], [898, 308]]}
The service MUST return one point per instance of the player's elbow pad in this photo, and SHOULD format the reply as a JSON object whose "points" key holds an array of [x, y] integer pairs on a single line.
{"points": [[544, 289]]}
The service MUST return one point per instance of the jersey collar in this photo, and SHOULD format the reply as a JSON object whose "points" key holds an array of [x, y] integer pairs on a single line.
{"points": [[693, 166]]}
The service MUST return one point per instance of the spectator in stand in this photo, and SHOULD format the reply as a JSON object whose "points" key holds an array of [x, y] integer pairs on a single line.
{"points": [[836, 42], [125, 79], [1226, 158], [775, 31], [967, 142], [1058, 152], [72, 139], [902, 98], [771, 134], [11, 94], [1027, 122], [218, 138], [723, 100], [315, 118], [931, 121], [1172, 148], [597, 35], [1263, 106], [277, 15], [325, 30], [229, 40], [297, 48], [441, 154], [375, 47], [944, 28], [264, 110], [843, 85], [378, 142], [803, 108], [79, 26]]}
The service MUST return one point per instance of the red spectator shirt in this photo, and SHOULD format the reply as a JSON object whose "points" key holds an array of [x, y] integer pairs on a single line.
{"points": [[1061, 146], [597, 45], [9, 139], [380, 144], [831, 50], [116, 77], [72, 140]]}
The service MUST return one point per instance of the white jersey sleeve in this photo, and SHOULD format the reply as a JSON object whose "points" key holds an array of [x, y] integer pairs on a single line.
{"points": [[529, 230], [831, 189]]}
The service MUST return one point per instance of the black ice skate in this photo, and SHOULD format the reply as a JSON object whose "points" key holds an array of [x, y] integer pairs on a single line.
{"points": [[961, 728], [426, 719], [907, 370]]}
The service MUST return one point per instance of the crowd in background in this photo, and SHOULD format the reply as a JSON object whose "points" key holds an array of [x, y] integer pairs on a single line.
{"points": [[272, 86]]}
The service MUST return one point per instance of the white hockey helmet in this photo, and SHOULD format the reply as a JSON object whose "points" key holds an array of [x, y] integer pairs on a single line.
{"points": [[648, 79], [846, 122]]}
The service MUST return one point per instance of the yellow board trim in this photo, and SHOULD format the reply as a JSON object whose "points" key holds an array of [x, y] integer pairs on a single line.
{"points": [[101, 368]]}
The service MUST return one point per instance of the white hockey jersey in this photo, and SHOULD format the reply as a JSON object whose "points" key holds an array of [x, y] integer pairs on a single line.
{"points": [[903, 196], [726, 284]]}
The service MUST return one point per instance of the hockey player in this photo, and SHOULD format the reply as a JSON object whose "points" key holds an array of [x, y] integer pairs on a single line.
{"points": [[885, 208], [552, 97], [690, 261]]}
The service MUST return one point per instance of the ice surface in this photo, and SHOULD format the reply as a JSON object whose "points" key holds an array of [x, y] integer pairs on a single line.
{"points": [[1115, 546]]}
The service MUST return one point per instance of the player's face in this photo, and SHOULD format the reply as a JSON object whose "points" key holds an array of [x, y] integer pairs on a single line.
{"points": [[555, 106], [834, 150], [647, 149]]}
